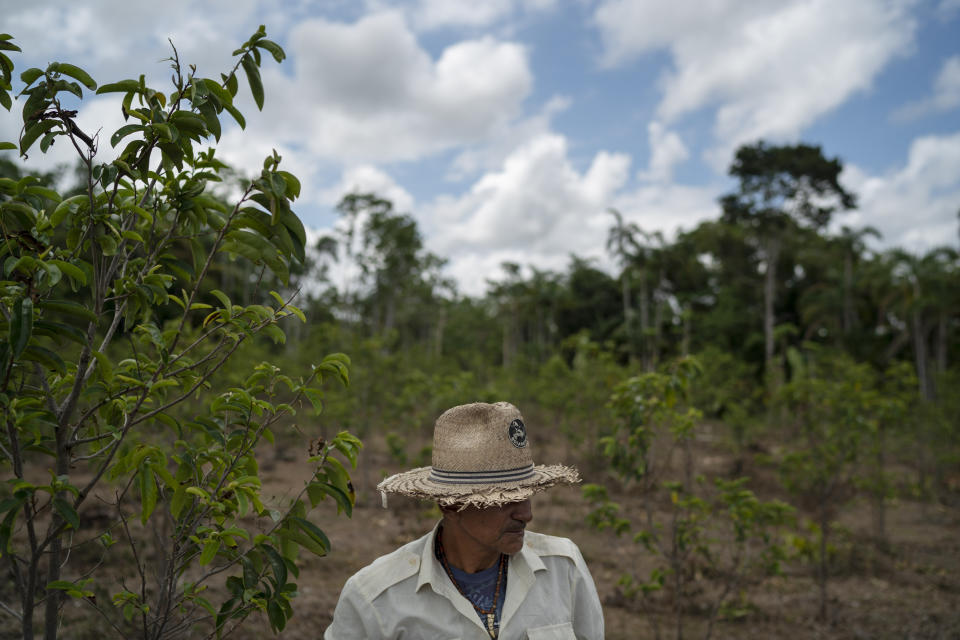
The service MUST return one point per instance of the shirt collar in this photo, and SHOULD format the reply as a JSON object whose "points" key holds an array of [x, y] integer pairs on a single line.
{"points": [[432, 572], [521, 572]]}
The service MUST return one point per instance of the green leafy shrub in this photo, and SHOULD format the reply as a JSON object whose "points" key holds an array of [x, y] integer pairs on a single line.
{"points": [[113, 350]]}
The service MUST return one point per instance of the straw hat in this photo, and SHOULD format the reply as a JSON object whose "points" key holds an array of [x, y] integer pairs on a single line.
{"points": [[481, 457]]}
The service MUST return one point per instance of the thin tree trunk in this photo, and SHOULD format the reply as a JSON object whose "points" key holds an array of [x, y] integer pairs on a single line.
{"points": [[438, 332], [390, 313], [772, 250], [942, 342], [657, 321], [644, 323], [920, 355], [628, 315], [848, 317], [822, 568], [52, 606], [29, 601], [880, 491]]}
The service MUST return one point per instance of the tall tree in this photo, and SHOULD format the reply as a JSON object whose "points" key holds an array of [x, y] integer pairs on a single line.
{"points": [[781, 188], [852, 244], [622, 243]]}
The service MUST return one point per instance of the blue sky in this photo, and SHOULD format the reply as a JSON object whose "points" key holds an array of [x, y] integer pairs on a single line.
{"points": [[508, 127]]}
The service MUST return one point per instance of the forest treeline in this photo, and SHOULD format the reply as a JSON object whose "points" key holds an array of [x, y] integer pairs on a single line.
{"points": [[749, 292]]}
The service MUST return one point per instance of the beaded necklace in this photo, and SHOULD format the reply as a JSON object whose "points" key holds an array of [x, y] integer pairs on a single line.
{"points": [[492, 611]]}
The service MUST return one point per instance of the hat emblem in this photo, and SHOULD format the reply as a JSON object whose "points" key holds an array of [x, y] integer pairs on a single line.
{"points": [[518, 434]]}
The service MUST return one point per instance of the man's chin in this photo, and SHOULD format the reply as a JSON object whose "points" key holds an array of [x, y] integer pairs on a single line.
{"points": [[512, 542]]}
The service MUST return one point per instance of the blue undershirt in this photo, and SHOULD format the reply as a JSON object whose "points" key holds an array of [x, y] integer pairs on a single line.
{"points": [[479, 587]]}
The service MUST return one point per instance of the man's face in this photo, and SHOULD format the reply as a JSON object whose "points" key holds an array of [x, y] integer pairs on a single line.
{"points": [[498, 529]]}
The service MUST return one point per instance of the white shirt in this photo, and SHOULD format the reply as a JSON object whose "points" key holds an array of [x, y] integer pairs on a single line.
{"points": [[407, 594]]}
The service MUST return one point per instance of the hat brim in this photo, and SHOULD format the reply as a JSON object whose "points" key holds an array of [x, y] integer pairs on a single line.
{"points": [[417, 483]]}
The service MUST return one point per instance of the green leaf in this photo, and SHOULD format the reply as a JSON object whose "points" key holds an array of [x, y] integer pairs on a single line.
{"points": [[276, 615], [62, 585], [315, 398], [45, 357], [124, 86], [66, 85], [277, 564], [210, 548], [343, 500], [69, 307], [48, 139], [58, 331], [224, 300], [30, 75], [26, 216], [275, 333], [107, 245], [275, 50], [78, 74], [132, 235], [217, 89], [189, 123], [309, 536], [148, 492], [179, 500], [21, 326], [6, 527], [71, 270], [7, 145], [63, 209], [236, 115], [124, 131], [49, 194], [34, 131], [67, 512], [253, 78], [209, 115], [293, 185], [104, 365]]}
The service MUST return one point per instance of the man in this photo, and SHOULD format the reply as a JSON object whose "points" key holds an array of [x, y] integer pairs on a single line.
{"points": [[478, 574]]}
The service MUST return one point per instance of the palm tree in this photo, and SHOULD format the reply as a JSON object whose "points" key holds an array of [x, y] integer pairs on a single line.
{"points": [[852, 243], [622, 242]]}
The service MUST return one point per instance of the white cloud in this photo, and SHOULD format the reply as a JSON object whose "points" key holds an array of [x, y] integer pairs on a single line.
{"points": [[101, 37], [669, 207], [535, 210], [666, 151], [946, 93], [368, 92], [368, 179], [916, 206], [770, 69], [435, 14], [496, 146]]}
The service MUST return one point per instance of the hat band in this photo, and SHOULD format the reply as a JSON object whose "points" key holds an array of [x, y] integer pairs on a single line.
{"points": [[481, 477]]}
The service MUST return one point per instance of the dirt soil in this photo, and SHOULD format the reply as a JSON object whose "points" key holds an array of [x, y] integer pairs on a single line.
{"points": [[911, 591]]}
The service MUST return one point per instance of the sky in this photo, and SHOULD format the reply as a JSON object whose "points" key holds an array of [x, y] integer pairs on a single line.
{"points": [[508, 128]]}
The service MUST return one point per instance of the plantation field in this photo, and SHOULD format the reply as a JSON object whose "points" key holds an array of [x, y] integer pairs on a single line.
{"points": [[911, 591]]}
